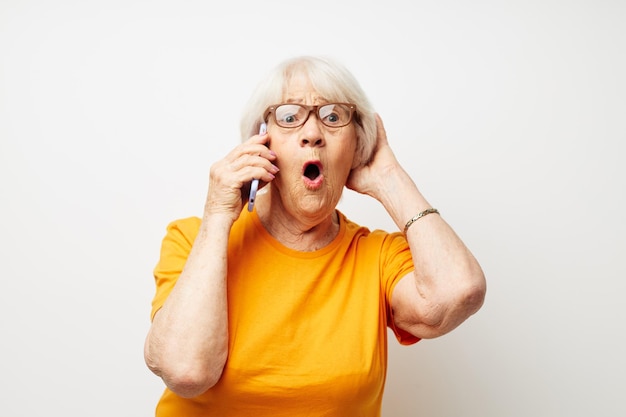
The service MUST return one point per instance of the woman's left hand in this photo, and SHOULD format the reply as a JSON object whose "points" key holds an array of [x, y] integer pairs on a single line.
{"points": [[369, 179]]}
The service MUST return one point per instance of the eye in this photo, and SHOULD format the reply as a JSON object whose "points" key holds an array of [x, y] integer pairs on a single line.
{"points": [[332, 115], [288, 114]]}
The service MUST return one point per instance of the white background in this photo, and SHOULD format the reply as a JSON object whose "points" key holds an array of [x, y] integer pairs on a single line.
{"points": [[509, 115]]}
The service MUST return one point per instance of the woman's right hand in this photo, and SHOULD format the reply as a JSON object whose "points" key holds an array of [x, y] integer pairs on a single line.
{"points": [[230, 177]]}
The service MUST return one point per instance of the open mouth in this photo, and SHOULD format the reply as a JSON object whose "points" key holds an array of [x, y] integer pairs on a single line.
{"points": [[312, 170]]}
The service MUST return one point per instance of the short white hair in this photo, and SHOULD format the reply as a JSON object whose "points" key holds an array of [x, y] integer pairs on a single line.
{"points": [[330, 79]]}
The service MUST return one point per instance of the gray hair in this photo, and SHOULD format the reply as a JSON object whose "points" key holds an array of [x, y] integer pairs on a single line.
{"points": [[330, 79]]}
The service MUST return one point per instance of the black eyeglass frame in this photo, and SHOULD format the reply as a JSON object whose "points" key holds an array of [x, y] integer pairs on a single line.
{"points": [[271, 109]]}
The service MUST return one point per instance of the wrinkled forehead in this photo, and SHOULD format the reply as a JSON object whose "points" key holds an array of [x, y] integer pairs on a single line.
{"points": [[307, 87], [299, 89]]}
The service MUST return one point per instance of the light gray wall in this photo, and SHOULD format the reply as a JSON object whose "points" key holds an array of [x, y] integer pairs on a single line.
{"points": [[510, 116]]}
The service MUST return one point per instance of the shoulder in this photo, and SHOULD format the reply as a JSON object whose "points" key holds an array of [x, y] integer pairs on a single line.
{"points": [[351, 228], [372, 237], [186, 227], [179, 237]]}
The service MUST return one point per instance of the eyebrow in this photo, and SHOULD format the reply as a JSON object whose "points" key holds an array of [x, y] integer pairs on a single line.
{"points": [[319, 100]]}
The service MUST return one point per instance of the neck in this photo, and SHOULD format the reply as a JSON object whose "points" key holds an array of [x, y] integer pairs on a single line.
{"points": [[298, 232]]}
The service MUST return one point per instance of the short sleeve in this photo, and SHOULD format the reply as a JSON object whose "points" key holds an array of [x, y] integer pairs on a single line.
{"points": [[175, 248], [396, 262]]}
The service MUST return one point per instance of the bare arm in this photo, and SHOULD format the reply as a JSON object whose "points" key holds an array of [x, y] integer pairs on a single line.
{"points": [[448, 284], [187, 344]]}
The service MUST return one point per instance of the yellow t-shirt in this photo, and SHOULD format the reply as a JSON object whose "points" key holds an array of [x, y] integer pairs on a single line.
{"points": [[307, 330]]}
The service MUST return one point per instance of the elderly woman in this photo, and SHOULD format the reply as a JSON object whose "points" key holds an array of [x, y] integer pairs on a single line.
{"points": [[283, 310]]}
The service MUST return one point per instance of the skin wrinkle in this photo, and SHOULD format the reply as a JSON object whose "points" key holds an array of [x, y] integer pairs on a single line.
{"points": [[305, 213], [437, 312], [447, 287]]}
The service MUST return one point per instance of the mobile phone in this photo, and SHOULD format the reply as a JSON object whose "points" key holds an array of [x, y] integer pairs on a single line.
{"points": [[254, 186]]}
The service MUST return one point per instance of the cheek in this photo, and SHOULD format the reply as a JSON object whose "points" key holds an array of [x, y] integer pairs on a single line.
{"points": [[343, 163], [348, 153]]}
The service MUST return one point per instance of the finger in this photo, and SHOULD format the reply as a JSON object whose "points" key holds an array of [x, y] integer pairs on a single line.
{"points": [[262, 138], [252, 155], [262, 151], [244, 154], [260, 168]]}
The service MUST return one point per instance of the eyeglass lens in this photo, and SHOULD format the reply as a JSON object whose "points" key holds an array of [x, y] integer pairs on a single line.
{"points": [[331, 115]]}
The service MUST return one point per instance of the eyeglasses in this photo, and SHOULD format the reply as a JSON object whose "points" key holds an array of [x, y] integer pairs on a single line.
{"points": [[294, 115]]}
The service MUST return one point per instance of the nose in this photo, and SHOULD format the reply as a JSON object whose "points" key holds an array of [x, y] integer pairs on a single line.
{"points": [[311, 132]]}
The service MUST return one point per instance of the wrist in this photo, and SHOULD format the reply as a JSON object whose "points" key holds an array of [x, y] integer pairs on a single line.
{"points": [[217, 221], [401, 197]]}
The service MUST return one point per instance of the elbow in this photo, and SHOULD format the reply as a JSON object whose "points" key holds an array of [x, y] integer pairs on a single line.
{"points": [[185, 378], [471, 296], [189, 380], [474, 294], [469, 299], [455, 308], [190, 383]]}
